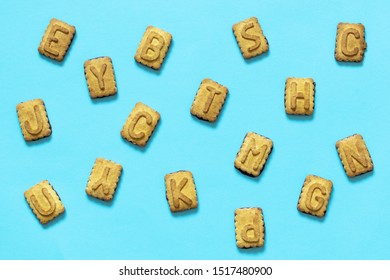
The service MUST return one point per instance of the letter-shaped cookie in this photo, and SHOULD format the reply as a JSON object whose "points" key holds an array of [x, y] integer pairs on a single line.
{"points": [[44, 201], [354, 155], [350, 42], [56, 39], [299, 96], [209, 100], [100, 77], [153, 47], [104, 179], [33, 119], [140, 124], [250, 229], [315, 195], [181, 191], [253, 154], [250, 38]]}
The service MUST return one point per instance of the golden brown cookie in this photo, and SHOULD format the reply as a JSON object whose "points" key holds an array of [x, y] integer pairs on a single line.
{"points": [[153, 47], [181, 191], [209, 100], [104, 179], [299, 96], [354, 155], [315, 195], [56, 39], [44, 201], [140, 124], [250, 229], [33, 119], [253, 154], [100, 77], [250, 37], [350, 42]]}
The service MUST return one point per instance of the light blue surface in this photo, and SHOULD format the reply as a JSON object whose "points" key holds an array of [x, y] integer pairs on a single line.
{"points": [[350, 99]]}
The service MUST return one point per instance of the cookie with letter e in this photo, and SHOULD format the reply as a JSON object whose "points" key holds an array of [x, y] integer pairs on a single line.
{"points": [[153, 47], [299, 96], [350, 42], [100, 77], [250, 37], [56, 39], [253, 154], [181, 191], [315, 195], [140, 124], [250, 229], [44, 201], [209, 100], [354, 155]]}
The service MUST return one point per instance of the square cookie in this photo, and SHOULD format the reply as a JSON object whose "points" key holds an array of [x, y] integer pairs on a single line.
{"points": [[354, 155], [44, 201], [153, 47], [209, 100], [253, 154], [104, 179], [33, 119], [315, 195], [140, 124], [250, 229], [299, 96], [250, 37], [56, 39], [181, 191], [350, 42], [100, 77]]}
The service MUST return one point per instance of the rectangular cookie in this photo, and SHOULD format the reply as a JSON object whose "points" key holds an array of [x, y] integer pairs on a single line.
{"points": [[181, 191], [249, 227], [100, 77], [299, 96], [350, 42]]}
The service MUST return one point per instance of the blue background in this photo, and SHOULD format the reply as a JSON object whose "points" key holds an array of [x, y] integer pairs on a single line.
{"points": [[137, 224]]}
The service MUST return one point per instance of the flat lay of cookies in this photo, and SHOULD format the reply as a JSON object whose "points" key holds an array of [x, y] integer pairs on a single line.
{"points": [[232, 130]]}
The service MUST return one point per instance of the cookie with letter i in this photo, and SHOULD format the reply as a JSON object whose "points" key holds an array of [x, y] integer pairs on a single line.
{"points": [[153, 47], [250, 37], [56, 39], [354, 155], [315, 195], [350, 42], [299, 96], [33, 119], [250, 229], [209, 100], [253, 154], [44, 201], [104, 179], [181, 191], [140, 124], [100, 77]]}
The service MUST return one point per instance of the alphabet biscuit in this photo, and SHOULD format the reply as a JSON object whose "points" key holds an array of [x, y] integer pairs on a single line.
{"points": [[100, 77], [299, 96], [181, 191], [250, 228], [350, 42], [56, 39]]}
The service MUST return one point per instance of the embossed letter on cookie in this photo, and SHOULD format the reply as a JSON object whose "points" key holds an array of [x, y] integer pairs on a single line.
{"points": [[140, 124], [100, 76], [354, 155], [249, 225], [315, 195], [104, 179], [33, 120], [209, 100], [153, 47], [56, 39], [181, 191], [350, 42], [253, 154], [299, 96], [44, 201], [250, 37]]}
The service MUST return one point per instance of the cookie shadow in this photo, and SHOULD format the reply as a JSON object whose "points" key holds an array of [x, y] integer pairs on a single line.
{"points": [[350, 64], [361, 177], [55, 221], [165, 61], [312, 217], [68, 53], [251, 251], [303, 118], [107, 99], [39, 141], [256, 58], [185, 213]]}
